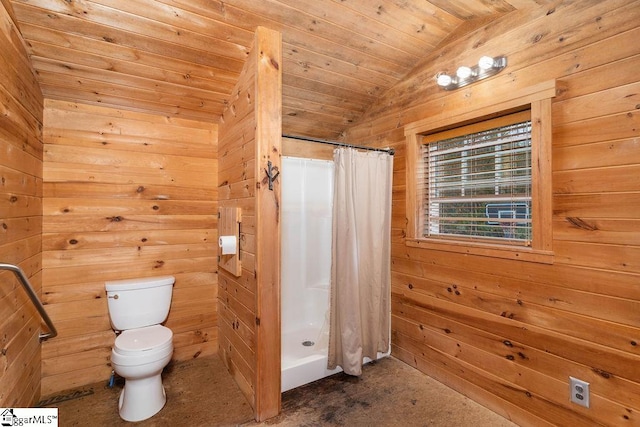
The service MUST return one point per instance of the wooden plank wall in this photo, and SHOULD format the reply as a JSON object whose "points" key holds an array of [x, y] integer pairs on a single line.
{"points": [[20, 216], [510, 333], [126, 195], [310, 150], [249, 305]]}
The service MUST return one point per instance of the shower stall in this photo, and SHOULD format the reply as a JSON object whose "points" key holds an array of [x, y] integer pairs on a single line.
{"points": [[306, 209]]}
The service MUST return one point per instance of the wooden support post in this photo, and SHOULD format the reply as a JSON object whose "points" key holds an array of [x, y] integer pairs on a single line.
{"points": [[268, 151]]}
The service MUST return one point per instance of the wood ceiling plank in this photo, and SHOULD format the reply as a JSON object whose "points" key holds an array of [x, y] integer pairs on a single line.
{"points": [[305, 95], [349, 95], [215, 9], [417, 18], [317, 117], [346, 37], [293, 127], [72, 60], [526, 4], [296, 103], [46, 42], [181, 58], [378, 35], [313, 112], [339, 81], [77, 74], [469, 9], [296, 35], [93, 13], [182, 18], [427, 12], [336, 50], [118, 37], [311, 59]]}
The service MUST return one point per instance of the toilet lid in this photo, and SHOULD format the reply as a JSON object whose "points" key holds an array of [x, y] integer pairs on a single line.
{"points": [[143, 339]]}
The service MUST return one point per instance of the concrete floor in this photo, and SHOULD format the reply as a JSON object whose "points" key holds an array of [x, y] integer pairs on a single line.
{"points": [[202, 393]]}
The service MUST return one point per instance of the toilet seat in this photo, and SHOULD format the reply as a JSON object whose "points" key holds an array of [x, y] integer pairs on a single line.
{"points": [[140, 346], [133, 342]]}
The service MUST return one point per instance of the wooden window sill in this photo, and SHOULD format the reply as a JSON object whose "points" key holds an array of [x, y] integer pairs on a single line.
{"points": [[484, 249]]}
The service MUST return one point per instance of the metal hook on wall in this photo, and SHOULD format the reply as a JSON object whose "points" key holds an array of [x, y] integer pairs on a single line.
{"points": [[270, 174]]}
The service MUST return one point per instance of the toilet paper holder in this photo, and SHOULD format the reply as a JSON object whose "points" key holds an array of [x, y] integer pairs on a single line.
{"points": [[229, 220]]}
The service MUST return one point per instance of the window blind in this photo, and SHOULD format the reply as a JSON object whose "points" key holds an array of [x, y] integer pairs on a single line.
{"points": [[479, 184]]}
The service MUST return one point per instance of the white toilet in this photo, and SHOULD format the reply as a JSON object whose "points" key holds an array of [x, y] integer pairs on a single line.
{"points": [[143, 347]]}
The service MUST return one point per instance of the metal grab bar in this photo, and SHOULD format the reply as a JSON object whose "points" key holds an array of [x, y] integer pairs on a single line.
{"points": [[34, 299]]}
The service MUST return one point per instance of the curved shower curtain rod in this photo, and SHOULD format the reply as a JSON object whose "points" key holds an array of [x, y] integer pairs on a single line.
{"points": [[391, 151]]}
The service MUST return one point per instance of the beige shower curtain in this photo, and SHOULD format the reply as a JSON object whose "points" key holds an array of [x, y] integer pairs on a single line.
{"points": [[361, 250]]}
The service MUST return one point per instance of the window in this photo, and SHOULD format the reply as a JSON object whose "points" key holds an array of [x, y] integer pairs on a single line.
{"points": [[477, 181], [478, 176]]}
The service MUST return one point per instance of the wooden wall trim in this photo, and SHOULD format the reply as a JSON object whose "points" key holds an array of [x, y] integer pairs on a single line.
{"points": [[250, 139], [461, 114], [541, 189], [268, 47]]}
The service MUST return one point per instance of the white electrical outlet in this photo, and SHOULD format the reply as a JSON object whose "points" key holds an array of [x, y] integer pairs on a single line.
{"points": [[579, 392]]}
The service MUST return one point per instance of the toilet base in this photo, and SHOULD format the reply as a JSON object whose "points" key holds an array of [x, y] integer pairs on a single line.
{"points": [[141, 398]]}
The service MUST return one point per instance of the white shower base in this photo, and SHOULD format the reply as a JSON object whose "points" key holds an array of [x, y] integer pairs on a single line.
{"points": [[303, 364]]}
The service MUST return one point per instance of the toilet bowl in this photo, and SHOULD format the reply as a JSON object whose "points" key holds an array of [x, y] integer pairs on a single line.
{"points": [[143, 346], [139, 356]]}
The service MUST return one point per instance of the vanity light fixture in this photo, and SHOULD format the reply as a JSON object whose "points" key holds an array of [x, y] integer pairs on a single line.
{"points": [[487, 66]]}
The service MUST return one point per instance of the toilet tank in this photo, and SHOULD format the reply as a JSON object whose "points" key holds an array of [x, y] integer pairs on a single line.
{"points": [[135, 303]]}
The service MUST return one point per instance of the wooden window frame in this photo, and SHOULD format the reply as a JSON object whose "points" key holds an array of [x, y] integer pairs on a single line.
{"points": [[538, 100]]}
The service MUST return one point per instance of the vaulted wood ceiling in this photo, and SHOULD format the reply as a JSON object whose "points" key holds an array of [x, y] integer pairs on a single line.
{"points": [[183, 57]]}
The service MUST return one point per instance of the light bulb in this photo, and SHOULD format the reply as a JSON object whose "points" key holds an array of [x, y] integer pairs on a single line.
{"points": [[485, 62], [444, 80], [463, 72]]}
